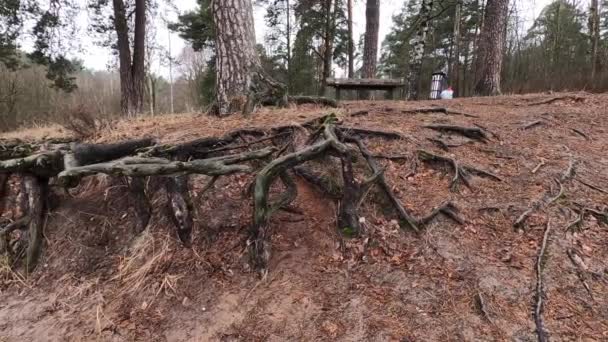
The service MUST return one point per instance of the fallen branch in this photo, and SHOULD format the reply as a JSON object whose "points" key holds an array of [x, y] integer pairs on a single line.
{"points": [[538, 306], [474, 133]]}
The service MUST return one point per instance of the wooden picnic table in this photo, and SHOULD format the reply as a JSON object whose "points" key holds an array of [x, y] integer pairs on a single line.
{"points": [[364, 84]]}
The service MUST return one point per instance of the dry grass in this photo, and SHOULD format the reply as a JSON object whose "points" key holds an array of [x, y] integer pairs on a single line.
{"points": [[148, 258]]}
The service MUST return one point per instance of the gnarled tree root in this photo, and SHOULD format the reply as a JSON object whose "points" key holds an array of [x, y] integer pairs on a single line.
{"points": [[461, 172], [475, 133]]}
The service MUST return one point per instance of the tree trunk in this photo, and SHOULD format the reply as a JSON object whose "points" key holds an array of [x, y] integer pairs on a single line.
{"points": [[455, 75], [418, 51], [132, 71], [370, 50], [138, 71], [351, 48], [288, 34], [240, 84], [328, 48], [490, 53], [124, 53], [594, 30]]}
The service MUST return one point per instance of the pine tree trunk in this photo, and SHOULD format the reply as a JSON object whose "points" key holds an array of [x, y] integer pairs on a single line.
{"points": [[455, 74], [132, 71], [351, 48], [417, 53], [124, 53], [138, 70], [490, 53], [241, 84], [328, 47], [594, 29], [370, 50]]}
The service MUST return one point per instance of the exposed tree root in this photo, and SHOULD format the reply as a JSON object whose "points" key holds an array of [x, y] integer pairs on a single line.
{"points": [[321, 183], [140, 203], [602, 217], [581, 270], [576, 99], [532, 124], [539, 303], [548, 198], [445, 145], [581, 133], [442, 110], [37, 190], [448, 209], [180, 206], [589, 185], [461, 172], [405, 217], [354, 131], [474, 133], [325, 101]]}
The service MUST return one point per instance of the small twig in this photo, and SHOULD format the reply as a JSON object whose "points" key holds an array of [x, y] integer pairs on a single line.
{"points": [[581, 133], [591, 186], [581, 268], [538, 306], [532, 124], [541, 164], [569, 173]]}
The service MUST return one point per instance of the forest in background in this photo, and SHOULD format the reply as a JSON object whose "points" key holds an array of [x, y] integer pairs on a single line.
{"points": [[566, 48]]}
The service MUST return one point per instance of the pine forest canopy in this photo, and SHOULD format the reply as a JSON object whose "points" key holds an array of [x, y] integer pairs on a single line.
{"points": [[305, 42]]}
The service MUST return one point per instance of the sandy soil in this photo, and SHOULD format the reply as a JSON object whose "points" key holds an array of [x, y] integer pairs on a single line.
{"points": [[470, 282]]}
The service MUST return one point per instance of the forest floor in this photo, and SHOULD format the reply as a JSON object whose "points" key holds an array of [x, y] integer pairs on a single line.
{"points": [[475, 281]]}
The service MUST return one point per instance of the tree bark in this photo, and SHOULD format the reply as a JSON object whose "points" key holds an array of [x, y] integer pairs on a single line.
{"points": [[351, 49], [132, 70], [594, 29], [370, 50], [241, 83], [327, 47], [418, 51], [455, 74], [490, 53]]}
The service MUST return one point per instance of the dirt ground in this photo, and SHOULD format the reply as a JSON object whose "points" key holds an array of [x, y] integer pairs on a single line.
{"points": [[471, 282]]}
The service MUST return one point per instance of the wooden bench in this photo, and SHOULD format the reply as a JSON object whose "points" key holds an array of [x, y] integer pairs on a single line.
{"points": [[364, 84]]}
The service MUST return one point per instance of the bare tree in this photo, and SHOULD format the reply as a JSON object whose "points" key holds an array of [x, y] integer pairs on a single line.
{"points": [[491, 42]]}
